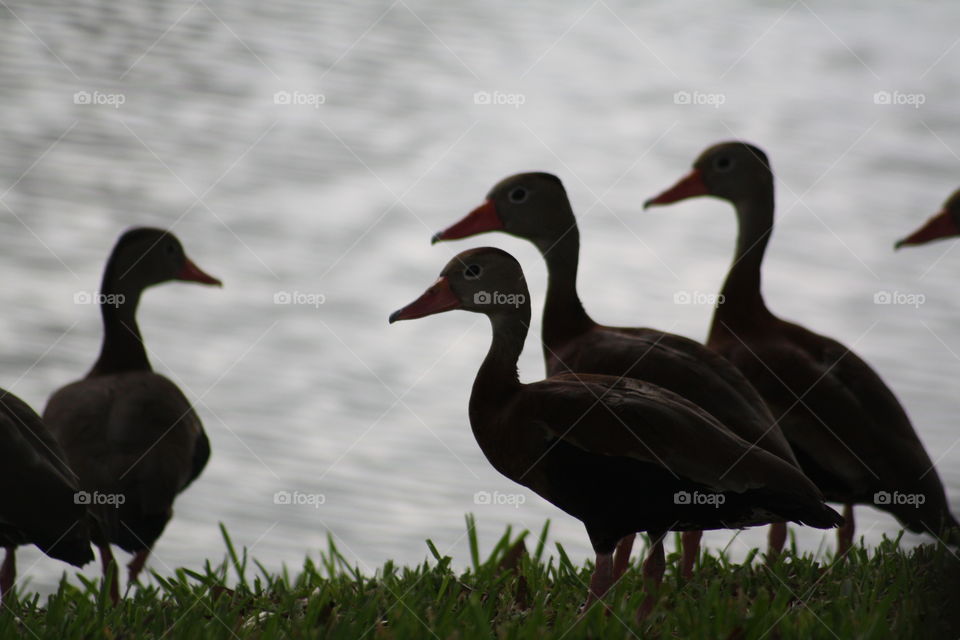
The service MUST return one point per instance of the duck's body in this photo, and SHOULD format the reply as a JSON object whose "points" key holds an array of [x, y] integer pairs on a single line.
{"points": [[574, 343], [39, 502], [644, 445], [129, 433], [132, 434], [850, 434], [615, 453]]}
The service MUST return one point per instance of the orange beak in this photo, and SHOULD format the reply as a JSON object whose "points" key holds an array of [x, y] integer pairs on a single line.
{"points": [[939, 226], [689, 186], [483, 218], [192, 273], [437, 299]]}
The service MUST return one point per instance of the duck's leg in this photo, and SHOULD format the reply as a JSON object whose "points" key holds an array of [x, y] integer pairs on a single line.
{"points": [[653, 569], [601, 580], [110, 572], [137, 563], [8, 573], [775, 540], [621, 557], [845, 532], [691, 549]]}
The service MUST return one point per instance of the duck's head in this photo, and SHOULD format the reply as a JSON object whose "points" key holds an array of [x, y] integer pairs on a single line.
{"points": [[145, 256], [944, 224], [733, 171], [533, 206], [484, 280]]}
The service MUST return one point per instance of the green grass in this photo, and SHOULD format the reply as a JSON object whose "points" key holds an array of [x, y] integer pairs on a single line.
{"points": [[516, 590]]}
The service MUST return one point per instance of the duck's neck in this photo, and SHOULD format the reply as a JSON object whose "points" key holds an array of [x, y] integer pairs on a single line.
{"points": [[563, 314], [497, 378], [742, 299], [122, 348]]}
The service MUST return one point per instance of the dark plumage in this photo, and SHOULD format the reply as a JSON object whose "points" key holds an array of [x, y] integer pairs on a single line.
{"points": [[535, 207], [849, 432], [40, 502], [612, 452], [126, 430]]}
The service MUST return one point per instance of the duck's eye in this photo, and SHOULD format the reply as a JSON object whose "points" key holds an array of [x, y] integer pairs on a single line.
{"points": [[472, 272], [723, 163], [518, 195], [171, 249]]}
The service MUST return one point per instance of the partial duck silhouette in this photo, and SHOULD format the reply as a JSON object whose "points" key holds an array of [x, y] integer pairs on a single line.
{"points": [[535, 207], [129, 433], [944, 224], [41, 502], [616, 453], [847, 429]]}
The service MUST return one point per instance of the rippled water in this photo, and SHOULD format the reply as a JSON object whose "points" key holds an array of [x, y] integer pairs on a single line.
{"points": [[336, 194]]}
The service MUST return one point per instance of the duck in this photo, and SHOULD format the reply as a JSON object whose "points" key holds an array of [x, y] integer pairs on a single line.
{"points": [[534, 206], [619, 454], [851, 435], [944, 224], [129, 433], [41, 503]]}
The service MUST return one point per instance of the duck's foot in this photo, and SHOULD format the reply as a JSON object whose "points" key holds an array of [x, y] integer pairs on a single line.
{"points": [[846, 531], [8, 572], [136, 564], [691, 551], [776, 538]]}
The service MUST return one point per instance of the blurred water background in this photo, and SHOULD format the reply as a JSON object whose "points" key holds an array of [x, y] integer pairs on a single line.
{"points": [[309, 150]]}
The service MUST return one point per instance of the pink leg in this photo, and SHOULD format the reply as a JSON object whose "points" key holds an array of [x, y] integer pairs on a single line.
{"points": [[655, 565], [602, 579], [691, 550], [137, 563], [776, 540], [845, 532], [653, 569], [110, 572], [621, 558], [8, 573]]}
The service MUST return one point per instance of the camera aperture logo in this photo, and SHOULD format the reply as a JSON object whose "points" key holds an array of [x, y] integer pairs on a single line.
{"points": [[498, 298], [109, 299], [298, 498], [899, 298], [95, 498], [512, 499], [515, 100], [312, 299], [699, 499], [899, 98], [897, 498], [698, 297], [97, 98], [299, 98], [699, 98]]}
